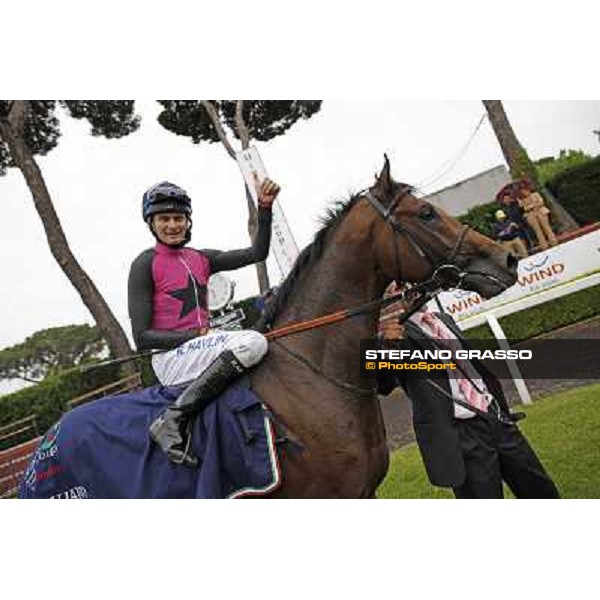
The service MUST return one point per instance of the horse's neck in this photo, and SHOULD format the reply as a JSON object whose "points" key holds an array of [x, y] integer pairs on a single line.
{"points": [[343, 277], [339, 433]]}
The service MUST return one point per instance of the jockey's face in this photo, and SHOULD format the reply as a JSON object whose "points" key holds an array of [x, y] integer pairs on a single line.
{"points": [[170, 228]]}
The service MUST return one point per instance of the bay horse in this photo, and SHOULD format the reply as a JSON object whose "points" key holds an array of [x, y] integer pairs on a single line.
{"points": [[310, 381]]}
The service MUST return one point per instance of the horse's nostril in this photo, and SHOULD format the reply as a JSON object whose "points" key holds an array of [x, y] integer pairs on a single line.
{"points": [[512, 262]]}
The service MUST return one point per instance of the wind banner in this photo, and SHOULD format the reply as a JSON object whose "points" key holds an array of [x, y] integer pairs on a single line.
{"points": [[563, 263]]}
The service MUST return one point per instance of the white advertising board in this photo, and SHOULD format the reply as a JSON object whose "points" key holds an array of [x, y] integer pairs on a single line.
{"points": [[284, 246], [540, 273]]}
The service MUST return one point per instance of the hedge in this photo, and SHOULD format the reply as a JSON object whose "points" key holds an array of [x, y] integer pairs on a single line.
{"points": [[546, 317], [481, 217], [48, 400], [578, 190]]}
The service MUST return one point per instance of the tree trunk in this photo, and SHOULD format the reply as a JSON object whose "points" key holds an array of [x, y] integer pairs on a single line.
{"points": [[261, 267], [520, 165], [105, 320]]}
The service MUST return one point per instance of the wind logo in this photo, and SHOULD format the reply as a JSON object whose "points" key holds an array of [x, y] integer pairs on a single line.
{"points": [[532, 263], [469, 300], [541, 273]]}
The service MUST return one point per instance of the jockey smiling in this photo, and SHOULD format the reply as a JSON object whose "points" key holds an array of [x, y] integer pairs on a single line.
{"points": [[167, 295]]}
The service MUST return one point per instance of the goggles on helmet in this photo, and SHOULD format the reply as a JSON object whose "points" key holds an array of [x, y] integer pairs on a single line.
{"points": [[165, 197]]}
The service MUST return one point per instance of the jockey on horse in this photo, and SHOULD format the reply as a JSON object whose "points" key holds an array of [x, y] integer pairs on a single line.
{"points": [[167, 298]]}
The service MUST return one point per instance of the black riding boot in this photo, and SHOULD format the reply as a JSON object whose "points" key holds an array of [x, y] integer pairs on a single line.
{"points": [[172, 430]]}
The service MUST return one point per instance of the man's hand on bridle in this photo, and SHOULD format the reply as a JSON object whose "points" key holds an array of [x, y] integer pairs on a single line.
{"points": [[389, 327]]}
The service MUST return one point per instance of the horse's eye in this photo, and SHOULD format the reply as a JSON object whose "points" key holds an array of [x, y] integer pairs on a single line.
{"points": [[427, 213]]}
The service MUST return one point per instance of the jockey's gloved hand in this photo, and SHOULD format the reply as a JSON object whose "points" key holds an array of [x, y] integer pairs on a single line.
{"points": [[267, 192]]}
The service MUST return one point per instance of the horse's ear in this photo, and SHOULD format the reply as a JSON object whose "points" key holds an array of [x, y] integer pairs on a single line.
{"points": [[384, 179]]}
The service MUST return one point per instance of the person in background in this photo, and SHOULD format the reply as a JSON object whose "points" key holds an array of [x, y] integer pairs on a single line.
{"points": [[471, 452], [514, 213], [508, 234], [536, 213]]}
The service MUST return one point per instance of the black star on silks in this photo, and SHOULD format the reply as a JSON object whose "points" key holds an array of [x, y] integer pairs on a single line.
{"points": [[188, 296]]}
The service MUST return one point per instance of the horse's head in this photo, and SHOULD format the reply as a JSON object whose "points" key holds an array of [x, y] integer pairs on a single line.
{"points": [[414, 241]]}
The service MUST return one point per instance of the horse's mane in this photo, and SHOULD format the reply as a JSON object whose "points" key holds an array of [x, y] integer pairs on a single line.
{"points": [[334, 214]]}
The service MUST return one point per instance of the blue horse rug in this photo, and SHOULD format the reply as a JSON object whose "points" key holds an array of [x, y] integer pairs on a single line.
{"points": [[102, 450]]}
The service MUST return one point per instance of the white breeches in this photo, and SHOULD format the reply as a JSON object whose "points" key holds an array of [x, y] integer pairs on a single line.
{"points": [[188, 361]]}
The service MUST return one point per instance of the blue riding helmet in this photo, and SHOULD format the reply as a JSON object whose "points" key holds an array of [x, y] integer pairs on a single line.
{"points": [[165, 197]]}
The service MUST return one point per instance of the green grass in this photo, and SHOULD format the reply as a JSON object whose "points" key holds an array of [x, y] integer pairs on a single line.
{"points": [[564, 430]]}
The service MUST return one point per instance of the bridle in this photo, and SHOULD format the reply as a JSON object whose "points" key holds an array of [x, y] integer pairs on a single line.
{"points": [[445, 273]]}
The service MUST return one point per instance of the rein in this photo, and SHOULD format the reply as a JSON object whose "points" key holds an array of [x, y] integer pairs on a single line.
{"points": [[335, 317], [341, 316], [445, 275], [292, 328], [438, 281], [420, 288], [425, 296]]}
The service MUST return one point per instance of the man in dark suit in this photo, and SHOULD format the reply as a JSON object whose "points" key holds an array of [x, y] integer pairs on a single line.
{"points": [[471, 451]]}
